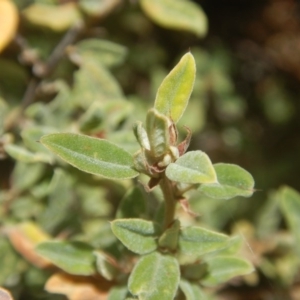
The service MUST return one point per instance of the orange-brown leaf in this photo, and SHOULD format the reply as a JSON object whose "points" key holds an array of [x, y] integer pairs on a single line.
{"points": [[78, 287], [9, 19]]}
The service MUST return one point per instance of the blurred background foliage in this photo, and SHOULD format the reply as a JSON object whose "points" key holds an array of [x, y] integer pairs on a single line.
{"points": [[93, 67]]}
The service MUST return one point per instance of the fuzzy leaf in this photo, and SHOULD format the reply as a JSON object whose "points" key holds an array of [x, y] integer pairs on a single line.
{"points": [[192, 167], [198, 241], [141, 135], [155, 277], [173, 94], [157, 128], [232, 181], [192, 291], [290, 206], [95, 156], [177, 14], [73, 257], [223, 268], [137, 235]]}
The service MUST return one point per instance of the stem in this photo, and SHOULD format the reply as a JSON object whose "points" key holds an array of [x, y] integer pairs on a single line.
{"points": [[170, 201], [42, 70]]}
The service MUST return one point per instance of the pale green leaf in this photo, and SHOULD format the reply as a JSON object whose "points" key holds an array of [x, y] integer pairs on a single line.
{"points": [[105, 266], [232, 247], [98, 8], [59, 202], [93, 82], [22, 154], [105, 115], [192, 167], [55, 17], [157, 127], [173, 94], [34, 173], [31, 136], [232, 181], [137, 235], [223, 268], [177, 14], [141, 135], [102, 51], [198, 241], [91, 155], [117, 293], [290, 206], [192, 291], [12, 264], [155, 277], [73, 257]]}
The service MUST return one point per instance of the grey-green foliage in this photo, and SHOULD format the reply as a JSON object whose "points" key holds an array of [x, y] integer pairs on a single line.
{"points": [[78, 209], [162, 157]]}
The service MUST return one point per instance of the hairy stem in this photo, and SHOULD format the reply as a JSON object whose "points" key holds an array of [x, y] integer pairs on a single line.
{"points": [[170, 201]]}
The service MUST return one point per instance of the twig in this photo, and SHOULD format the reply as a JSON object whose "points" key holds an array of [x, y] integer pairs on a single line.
{"points": [[41, 71]]}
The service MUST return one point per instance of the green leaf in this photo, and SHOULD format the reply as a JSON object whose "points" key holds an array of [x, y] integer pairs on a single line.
{"points": [[141, 135], [169, 239], [91, 155], [98, 8], [193, 271], [234, 244], [117, 293], [192, 291], [137, 235], [192, 167], [34, 173], [32, 135], [55, 17], [290, 206], [105, 115], [232, 181], [223, 268], [102, 51], [198, 241], [177, 14], [73, 257], [133, 204], [21, 154], [155, 277], [173, 94], [12, 265], [93, 82], [105, 266], [157, 127], [60, 200]]}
